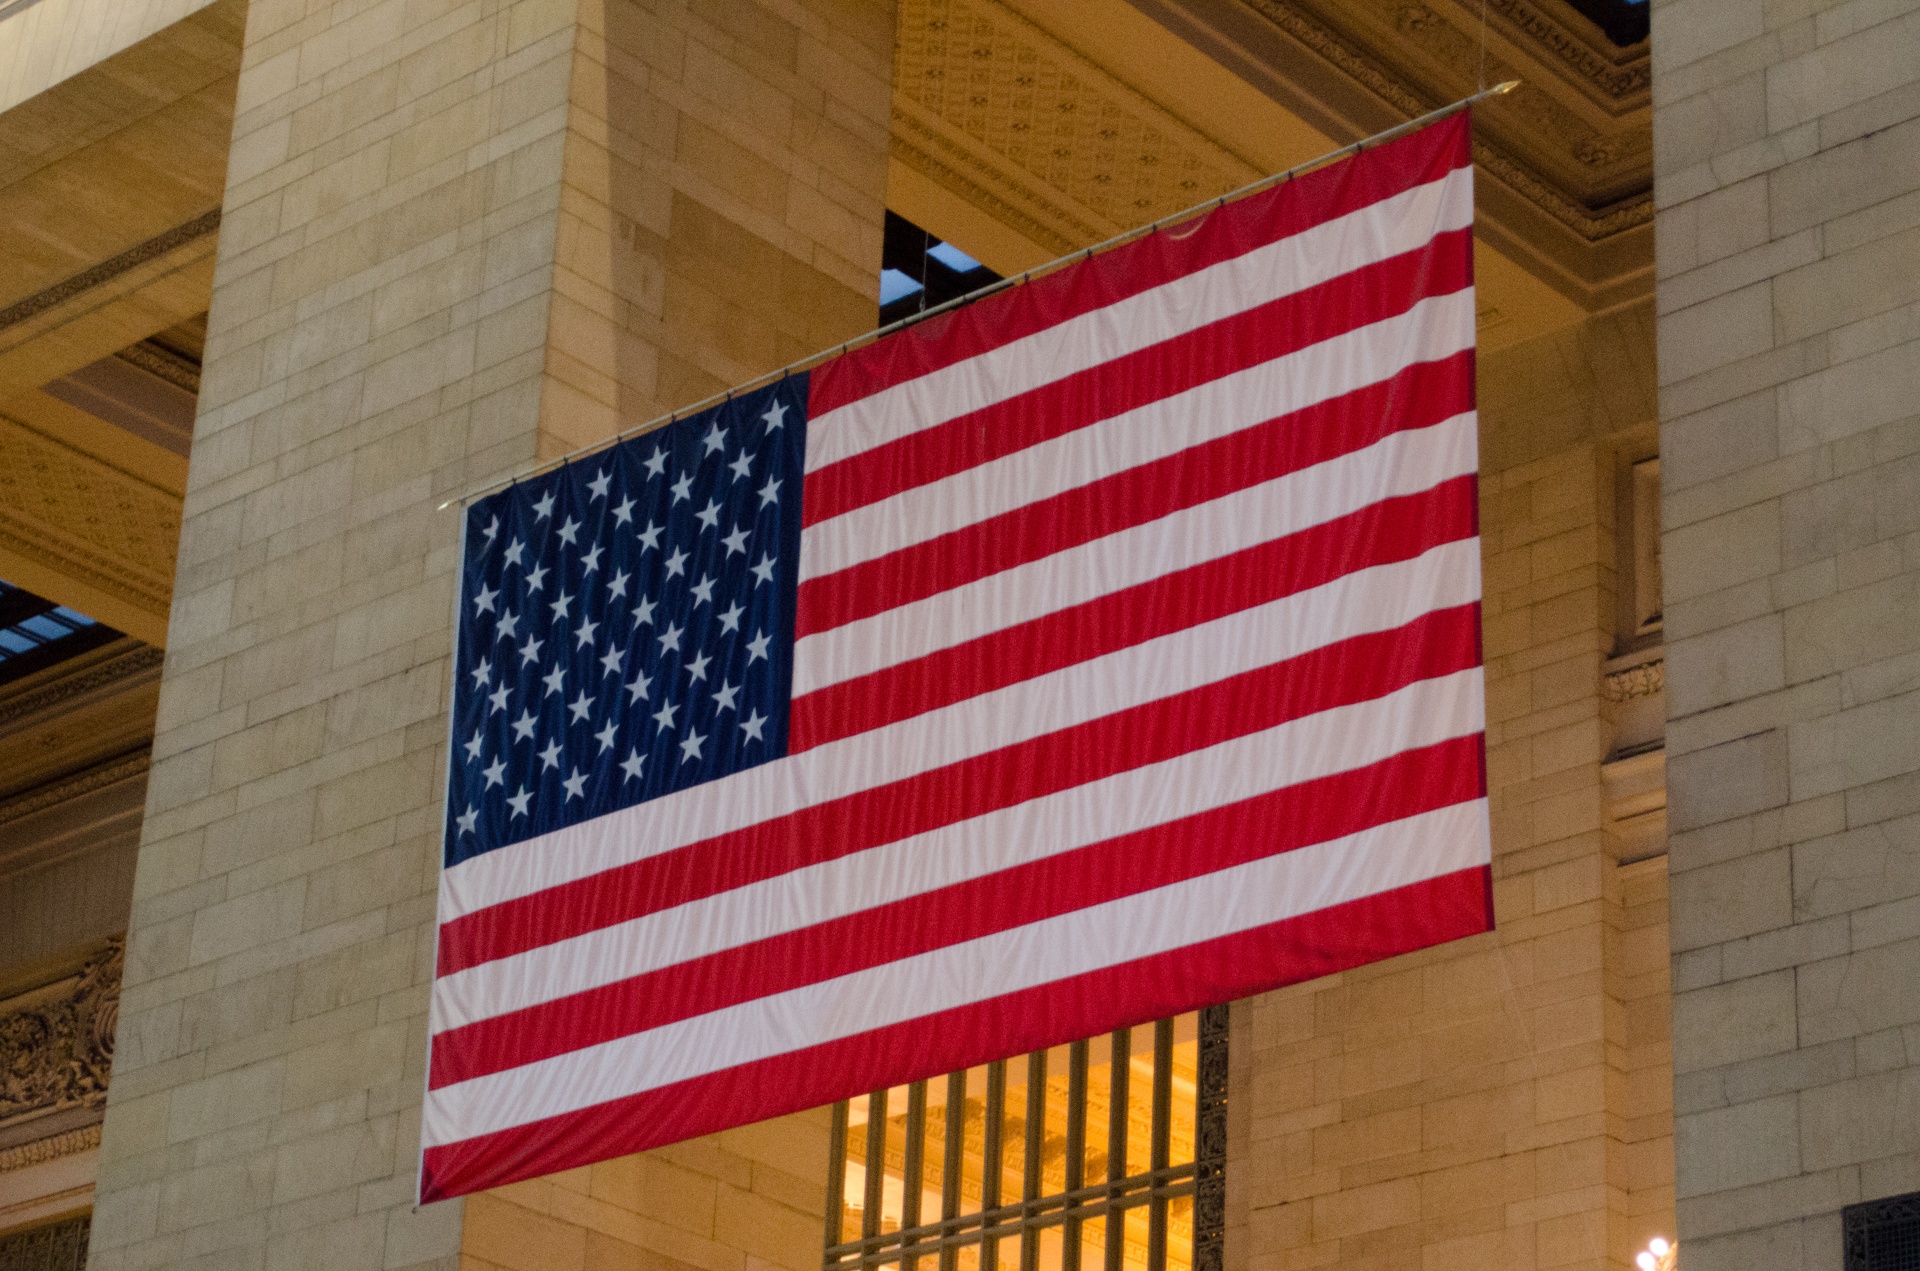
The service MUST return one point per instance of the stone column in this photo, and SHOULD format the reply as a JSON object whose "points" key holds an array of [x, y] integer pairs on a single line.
{"points": [[457, 235], [1787, 172]]}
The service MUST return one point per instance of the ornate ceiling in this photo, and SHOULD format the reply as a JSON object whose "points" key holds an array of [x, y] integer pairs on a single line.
{"points": [[1015, 121]]}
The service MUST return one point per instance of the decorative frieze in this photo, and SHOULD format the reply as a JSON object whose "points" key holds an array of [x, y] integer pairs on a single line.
{"points": [[56, 1049]]}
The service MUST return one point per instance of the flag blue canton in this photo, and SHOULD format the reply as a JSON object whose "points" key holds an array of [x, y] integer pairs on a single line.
{"points": [[626, 623]]}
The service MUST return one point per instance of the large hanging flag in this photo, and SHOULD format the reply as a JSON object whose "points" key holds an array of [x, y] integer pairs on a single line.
{"points": [[1100, 650]]}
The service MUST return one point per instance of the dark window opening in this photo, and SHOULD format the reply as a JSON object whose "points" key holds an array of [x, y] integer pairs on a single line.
{"points": [[36, 633], [918, 271], [1883, 1235]]}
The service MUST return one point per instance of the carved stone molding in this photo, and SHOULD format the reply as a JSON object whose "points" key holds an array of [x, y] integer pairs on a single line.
{"points": [[107, 270], [51, 1148], [56, 1045], [118, 669], [96, 778], [1633, 682], [72, 513]]}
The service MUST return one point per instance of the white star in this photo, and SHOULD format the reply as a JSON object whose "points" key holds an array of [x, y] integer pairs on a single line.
{"points": [[523, 727], [473, 745], [664, 716], [520, 801], [576, 785], [623, 512], [670, 638], [764, 570], [613, 660], [509, 626], [544, 508], [558, 673], [493, 529], [582, 705], [770, 492], [698, 667], [752, 725], [606, 735], [656, 463], [643, 613], [650, 537], [776, 415], [583, 638], [757, 648], [570, 531], [709, 516], [741, 465], [702, 592], [467, 819], [632, 765], [599, 484], [617, 585], [591, 561], [683, 488], [639, 687], [676, 563], [730, 617], [559, 605], [493, 772], [690, 748], [723, 697], [530, 651], [483, 602], [498, 699], [716, 439], [550, 757], [483, 674], [736, 541], [536, 577], [515, 550]]}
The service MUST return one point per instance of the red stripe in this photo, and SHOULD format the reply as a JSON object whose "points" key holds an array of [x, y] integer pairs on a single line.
{"points": [[1286, 952], [1392, 530], [1417, 397], [1373, 293], [1281, 821], [1353, 670], [1274, 214]]}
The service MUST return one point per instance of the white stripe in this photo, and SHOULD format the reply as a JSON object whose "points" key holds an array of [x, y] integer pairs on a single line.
{"points": [[1189, 912], [1398, 464], [1435, 328], [1374, 599], [1381, 230], [1337, 740]]}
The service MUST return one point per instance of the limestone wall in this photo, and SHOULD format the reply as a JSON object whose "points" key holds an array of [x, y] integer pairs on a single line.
{"points": [[1787, 173], [389, 328], [1502, 1101]]}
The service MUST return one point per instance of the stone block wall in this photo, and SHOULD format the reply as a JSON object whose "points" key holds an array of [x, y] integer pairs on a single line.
{"points": [[1504, 1100], [388, 329], [1787, 174]]}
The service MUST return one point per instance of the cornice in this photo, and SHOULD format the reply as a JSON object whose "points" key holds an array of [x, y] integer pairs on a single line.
{"points": [[132, 664], [99, 777], [107, 270], [51, 1148], [1417, 22]]}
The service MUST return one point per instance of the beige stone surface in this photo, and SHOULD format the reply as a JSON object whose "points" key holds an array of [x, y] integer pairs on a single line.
{"points": [[1786, 139], [1506, 1100]]}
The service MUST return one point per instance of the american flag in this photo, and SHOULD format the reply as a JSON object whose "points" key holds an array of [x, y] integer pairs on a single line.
{"points": [[1103, 649]]}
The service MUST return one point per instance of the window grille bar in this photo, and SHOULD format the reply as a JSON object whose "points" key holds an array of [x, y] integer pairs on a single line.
{"points": [[1076, 1162], [837, 1174], [915, 1163], [1036, 1137], [1118, 1096], [1161, 1138], [991, 1154], [876, 1163], [953, 1166]]}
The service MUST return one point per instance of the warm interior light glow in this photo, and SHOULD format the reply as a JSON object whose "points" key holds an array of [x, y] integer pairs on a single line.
{"points": [[1658, 1246]]}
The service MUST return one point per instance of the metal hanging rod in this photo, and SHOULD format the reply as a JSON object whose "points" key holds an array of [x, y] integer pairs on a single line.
{"points": [[1014, 280]]}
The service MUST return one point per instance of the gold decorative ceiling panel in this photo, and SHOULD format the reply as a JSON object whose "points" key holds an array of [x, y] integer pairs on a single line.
{"points": [[993, 107]]}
